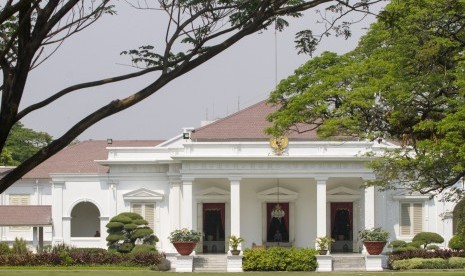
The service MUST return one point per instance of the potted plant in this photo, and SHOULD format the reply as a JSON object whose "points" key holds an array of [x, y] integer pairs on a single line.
{"points": [[374, 239], [323, 244], [234, 242], [185, 240]]}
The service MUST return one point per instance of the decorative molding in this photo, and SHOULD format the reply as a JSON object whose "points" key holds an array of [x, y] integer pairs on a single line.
{"points": [[213, 194], [270, 195], [409, 195], [143, 195]]}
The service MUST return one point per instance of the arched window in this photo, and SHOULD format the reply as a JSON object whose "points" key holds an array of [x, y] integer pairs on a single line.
{"points": [[85, 220]]}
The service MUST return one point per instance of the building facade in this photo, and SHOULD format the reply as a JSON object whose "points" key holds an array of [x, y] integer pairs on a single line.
{"points": [[223, 179]]}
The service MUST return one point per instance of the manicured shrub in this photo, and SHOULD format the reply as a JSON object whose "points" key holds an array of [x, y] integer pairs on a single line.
{"points": [[279, 259], [414, 244], [82, 257], [125, 229], [457, 242], [424, 254], [143, 248], [457, 263], [4, 248], [397, 244], [427, 238], [19, 246], [414, 263], [432, 247], [435, 263]]}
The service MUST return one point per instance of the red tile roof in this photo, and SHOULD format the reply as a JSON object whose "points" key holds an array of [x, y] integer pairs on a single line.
{"points": [[25, 215], [80, 158], [247, 124]]}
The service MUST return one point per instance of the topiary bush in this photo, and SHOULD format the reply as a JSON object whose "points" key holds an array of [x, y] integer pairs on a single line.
{"points": [[279, 259], [127, 228], [427, 238], [457, 242], [397, 244], [143, 248]]}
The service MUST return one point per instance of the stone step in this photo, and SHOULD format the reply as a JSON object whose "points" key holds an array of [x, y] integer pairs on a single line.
{"points": [[348, 263], [210, 263]]}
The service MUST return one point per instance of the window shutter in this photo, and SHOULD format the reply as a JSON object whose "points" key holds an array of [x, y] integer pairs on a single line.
{"points": [[19, 199], [417, 218], [137, 208], [150, 215], [405, 221]]}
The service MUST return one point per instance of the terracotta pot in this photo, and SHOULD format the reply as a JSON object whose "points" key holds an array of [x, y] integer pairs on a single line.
{"points": [[323, 251], [184, 248], [374, 247], [235, 252]]}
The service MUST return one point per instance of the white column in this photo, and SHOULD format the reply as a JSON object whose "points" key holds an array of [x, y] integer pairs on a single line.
{"points": [[186, 208], [235, 187], [175, 204], [321, 207], [369, 207], [112, 198], [57, 211]]}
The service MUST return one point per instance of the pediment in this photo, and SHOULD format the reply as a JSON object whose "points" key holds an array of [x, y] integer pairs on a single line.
{"points": [[271, 194], [342, 191], [410, 195], [143, 194], [213, 194], [213, 191]]}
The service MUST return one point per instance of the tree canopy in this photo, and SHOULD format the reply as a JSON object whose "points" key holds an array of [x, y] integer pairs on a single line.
{"points": [[21, 144], [405, 82], [197, 31]]}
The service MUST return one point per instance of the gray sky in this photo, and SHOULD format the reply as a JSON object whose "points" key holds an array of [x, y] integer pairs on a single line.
{"points": [[242, 75]]}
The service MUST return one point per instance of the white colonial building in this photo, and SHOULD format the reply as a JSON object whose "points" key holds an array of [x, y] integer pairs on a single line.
{"points": [[223, 179]]}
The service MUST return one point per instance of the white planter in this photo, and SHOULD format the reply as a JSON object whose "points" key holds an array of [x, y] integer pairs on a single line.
{"points": [[184, 263], [374, 262], [325, 263], [234, 263]]}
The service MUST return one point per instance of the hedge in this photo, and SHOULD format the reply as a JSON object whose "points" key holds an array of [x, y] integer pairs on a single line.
{"points": [[81, 257], [279, 259], [432, 263]]}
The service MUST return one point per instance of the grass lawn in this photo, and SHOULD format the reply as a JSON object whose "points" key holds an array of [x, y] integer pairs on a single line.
{"points": [[77, 272]]}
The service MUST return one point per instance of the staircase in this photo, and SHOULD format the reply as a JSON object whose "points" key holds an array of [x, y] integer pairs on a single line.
{"points": [[210, 263], [348, 262]]}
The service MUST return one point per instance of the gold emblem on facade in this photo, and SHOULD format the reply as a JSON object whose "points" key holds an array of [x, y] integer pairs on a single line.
{"points": [[279, 144]]}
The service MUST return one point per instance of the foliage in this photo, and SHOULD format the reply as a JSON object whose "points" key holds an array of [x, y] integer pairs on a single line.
{"points": [[279, 259], [195, 32], [143, 248], [432, 263], [323, 243], [404, 81], [127, 228], [459, 215], [374, 234], [234, 241], [397, 244], [457, 242], [184, 234], [19, 247], [4, 248], [22, 143], [425, 254], [457, 262], [82, 257], [426, 238]]}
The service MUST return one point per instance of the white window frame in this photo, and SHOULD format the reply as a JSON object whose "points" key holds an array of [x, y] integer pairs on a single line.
{"points": [[414, 220]]}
